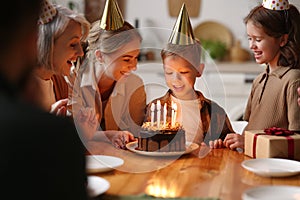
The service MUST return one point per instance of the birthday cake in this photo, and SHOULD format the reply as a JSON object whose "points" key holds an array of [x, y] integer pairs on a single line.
{"points": [[162, 138]]}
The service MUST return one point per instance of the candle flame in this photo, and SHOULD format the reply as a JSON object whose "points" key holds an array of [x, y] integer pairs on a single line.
{"points": [[175, 107], [158, 105], [152, 107], [165, 114]]}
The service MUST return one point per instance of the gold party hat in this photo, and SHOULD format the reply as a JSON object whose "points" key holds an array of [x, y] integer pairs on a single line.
{"points": [[182, 33], [112, 18], [276, 4], [48, 12]]}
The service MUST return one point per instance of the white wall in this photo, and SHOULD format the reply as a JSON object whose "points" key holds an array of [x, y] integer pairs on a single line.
{"points": [[154, 13]]}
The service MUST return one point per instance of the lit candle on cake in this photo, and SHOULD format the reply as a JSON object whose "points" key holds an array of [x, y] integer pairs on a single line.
{"points": [[158, 108], [172, 114], [165, 114], [175, 113], [152, 108]]}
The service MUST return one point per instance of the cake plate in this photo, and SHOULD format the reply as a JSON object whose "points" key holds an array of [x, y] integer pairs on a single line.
{"points": [[189, 148]]}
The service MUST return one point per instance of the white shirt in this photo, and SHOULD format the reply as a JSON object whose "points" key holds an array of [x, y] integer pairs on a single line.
{"points": [[119, 113], [188, 115]]}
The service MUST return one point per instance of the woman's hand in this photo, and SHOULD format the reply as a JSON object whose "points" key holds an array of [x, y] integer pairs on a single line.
{"points": [[119, 139], [59, 108], [87, 121], [234, 141]]}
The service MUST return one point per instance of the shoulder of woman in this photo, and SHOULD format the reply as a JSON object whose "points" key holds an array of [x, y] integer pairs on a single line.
{"points": [[132, 81], [135, 77]]}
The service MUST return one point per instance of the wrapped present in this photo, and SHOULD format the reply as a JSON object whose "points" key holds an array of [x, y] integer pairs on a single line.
{"points": [[272, 143]]}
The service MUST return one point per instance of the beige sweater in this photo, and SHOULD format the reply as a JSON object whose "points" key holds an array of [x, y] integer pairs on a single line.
{"points": [[273, 100]]}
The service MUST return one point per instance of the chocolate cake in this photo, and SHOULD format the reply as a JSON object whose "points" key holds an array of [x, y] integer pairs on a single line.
{"points": [[162, 139]]}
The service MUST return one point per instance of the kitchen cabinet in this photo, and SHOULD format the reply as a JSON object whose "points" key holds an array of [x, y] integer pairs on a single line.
{"points": [[227, 83], [193, 6], [92, 9]]}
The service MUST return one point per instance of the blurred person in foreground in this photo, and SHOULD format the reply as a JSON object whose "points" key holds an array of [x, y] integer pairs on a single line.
{"points": [[42, 156]]}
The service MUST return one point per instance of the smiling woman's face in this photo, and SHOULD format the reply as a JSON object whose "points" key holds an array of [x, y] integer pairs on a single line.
{"points": [[67, 48], [122, 62]]}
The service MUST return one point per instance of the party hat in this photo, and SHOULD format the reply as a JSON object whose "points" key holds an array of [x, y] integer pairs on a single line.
{"points": [[276, 4], [182, 33], [112, 18], [48, 12]]}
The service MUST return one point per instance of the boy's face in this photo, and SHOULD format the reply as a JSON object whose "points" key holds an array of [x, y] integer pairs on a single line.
{"points": [[180, 77]]}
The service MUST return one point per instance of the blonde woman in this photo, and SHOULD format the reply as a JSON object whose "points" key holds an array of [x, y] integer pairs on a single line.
{"points": [[105, 81]]}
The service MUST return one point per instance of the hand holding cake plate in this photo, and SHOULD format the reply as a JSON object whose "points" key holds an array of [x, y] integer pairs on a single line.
{"points": [[132, 146]]}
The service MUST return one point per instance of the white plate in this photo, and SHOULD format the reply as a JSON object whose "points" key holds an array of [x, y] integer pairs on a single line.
{"points": [[189, 148], [272, 193], [101, 163], [272, 167], [96, 186]]}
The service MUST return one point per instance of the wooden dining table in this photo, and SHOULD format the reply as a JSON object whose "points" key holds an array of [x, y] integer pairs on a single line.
{"points": [[204, 172]]}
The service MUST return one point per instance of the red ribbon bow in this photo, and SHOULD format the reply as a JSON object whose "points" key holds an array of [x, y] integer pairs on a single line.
{"points": [[278, 131]]}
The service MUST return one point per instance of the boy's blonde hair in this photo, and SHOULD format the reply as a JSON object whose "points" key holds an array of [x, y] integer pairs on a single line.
{"points": [[191, 53]]}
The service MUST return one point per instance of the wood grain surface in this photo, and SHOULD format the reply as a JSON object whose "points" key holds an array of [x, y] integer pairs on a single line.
{"points": [[203, 173]]}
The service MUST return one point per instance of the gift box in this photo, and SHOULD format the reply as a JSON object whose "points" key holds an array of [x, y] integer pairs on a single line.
{"points": [[263, 144]]}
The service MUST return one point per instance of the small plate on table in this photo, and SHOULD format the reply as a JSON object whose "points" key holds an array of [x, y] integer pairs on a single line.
{"points": [[272, 167], [102, 163], [272, 193], [189, 148], [96, 186]]}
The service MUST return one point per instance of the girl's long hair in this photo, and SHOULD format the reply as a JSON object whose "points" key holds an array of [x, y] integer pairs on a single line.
{"points": [[276, 24]]}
